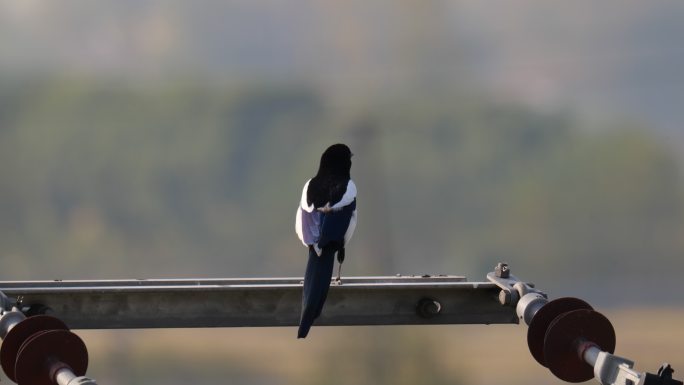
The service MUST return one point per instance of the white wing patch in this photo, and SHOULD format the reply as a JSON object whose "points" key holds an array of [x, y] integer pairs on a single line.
{"points": [[303, 203], [350, 229], [347, 198], [307, 221]]}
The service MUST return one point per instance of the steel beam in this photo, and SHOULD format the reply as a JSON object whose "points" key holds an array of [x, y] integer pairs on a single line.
{"points": [[183, 303]]}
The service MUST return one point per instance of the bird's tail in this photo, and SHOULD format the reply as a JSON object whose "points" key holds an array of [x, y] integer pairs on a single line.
{"points": [[303, 330], [316, 284]]}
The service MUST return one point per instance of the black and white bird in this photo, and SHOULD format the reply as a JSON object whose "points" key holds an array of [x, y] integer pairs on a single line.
{"points": [[325, 221]]}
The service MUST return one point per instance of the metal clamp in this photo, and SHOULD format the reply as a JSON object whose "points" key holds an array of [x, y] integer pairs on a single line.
{"points": [[515, 292]]}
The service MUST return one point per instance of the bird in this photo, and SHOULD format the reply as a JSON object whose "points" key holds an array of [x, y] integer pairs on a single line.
{"points": [[325, 222]]}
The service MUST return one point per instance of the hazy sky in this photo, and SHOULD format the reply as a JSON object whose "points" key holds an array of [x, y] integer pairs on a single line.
{"points": [[615, 59]]}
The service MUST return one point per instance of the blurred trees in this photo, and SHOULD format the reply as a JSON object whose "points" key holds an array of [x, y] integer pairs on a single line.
{"points": [[103, 180]]}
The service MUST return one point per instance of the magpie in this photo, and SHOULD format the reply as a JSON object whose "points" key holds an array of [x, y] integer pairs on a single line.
{"points": [[325, 221]]}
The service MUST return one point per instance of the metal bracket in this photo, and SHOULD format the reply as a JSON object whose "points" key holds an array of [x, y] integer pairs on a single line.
{"points": [[512, 289]]}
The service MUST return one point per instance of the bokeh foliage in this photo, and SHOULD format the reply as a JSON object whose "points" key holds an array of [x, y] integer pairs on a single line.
{"points": [[105, 179]]}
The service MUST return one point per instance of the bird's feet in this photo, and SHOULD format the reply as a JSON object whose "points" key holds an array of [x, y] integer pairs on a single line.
{"points": [[336, 281]]}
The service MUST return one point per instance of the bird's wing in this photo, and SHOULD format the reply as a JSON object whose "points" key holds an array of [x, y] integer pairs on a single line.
{"points": [[308, 226], [351, 188], [348, 197], [307, 221], [335, 225], [350, 228], [303, 203]]}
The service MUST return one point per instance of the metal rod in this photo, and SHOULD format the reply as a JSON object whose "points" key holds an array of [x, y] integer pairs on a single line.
{"points": [[65, 376], [260, 302], [589, 352]]}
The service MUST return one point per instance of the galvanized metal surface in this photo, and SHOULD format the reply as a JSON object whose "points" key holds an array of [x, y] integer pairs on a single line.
{"points": [[175, 303]]}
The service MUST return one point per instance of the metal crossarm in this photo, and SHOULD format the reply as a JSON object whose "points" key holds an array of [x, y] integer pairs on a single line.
{"points": [[566, 334], [400, 300]]}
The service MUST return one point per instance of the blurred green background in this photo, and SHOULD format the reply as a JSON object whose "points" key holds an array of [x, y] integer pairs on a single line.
{"points": [[149, 139]]}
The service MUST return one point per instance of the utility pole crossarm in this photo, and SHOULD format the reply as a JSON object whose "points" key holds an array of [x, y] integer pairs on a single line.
{"points": [[400, 300], [565, 335]]}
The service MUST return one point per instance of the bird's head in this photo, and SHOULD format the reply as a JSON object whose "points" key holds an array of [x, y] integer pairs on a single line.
{"points": [[336, 160]]}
